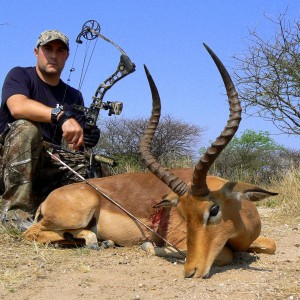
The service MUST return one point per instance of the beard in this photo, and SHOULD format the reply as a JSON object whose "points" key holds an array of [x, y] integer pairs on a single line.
{"points": [[50, 72]]}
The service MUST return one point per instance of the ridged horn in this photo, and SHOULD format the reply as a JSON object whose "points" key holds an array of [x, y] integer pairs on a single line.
{"points": [[173, 182], [199, 186]]}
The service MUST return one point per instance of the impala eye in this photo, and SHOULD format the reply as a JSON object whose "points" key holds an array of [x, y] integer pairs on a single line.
{"points": [[214, 210]]}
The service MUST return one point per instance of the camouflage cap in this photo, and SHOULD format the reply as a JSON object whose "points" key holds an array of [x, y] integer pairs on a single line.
{"points": [[52, 35]]}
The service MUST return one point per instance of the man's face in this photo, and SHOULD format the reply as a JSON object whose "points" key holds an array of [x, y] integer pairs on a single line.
{"points": [[51, 57]]}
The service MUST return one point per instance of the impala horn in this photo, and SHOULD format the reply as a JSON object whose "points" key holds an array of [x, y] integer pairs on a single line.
{"points": [[173, 182], [199, 186]]}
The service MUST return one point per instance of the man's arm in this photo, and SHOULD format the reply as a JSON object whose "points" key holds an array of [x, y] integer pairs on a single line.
{"points": [[21, 107]]}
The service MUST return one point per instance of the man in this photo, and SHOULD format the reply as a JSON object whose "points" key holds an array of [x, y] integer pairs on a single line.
{"points": [[37, 108]]}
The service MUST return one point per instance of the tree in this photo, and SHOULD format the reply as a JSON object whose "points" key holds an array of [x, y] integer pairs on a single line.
{"points": [[254, 157], [173, 139], [268, 76]]}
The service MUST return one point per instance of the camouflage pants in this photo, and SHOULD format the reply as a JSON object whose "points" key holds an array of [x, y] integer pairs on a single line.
{"points": [[29, 173]]}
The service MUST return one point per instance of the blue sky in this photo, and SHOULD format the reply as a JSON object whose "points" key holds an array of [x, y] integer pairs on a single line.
{"points": [[165, 35]]}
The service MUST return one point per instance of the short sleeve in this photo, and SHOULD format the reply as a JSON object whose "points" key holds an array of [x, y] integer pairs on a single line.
{"points": [[17, 81]]}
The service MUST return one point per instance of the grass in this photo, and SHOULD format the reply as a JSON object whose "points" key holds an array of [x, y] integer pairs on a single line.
{"points": [[288, 189], [132, 165], [22, 261]]}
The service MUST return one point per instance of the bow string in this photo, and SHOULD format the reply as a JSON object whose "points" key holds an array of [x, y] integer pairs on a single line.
{"points": [[91, 31]]}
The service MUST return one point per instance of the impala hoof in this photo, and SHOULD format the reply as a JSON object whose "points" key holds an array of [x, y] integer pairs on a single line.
{"points": [[148, 247], [107, 244], [196, 273]]}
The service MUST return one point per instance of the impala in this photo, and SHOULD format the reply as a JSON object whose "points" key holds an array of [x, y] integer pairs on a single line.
{"points": [[207, 217]]}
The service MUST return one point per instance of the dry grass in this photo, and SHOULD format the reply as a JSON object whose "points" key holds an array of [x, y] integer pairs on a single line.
{"points": [[287, 203], [21, 256], [132, 166]]}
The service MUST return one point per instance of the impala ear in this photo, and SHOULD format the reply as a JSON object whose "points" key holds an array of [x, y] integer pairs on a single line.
{"points": [[258, 194], [170, 201], [240, 190]]}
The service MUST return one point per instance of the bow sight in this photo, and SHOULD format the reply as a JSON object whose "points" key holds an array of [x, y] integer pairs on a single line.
{"points": [[90, 31]]}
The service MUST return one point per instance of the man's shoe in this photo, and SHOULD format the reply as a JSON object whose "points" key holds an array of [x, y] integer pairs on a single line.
{"points": [[17, 219]]}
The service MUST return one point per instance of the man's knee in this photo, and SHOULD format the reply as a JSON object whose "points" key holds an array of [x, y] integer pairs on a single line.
{"points": [[22, 147], [25, 130]]}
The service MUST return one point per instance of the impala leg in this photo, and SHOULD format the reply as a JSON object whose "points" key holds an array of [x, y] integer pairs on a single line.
{"points": [[263, 245], [225, 257], [39, 233], [90, 237], [162, 251]]}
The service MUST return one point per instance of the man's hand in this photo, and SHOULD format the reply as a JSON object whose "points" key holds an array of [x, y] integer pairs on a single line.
{"points": [[72, 133], [91, 137]]}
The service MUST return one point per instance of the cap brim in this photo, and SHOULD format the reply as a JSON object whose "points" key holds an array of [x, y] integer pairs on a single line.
{"points": [[51, 40]]}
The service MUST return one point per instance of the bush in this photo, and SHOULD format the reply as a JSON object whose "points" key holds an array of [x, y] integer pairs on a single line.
{"points": [[174, 142], [255, 158]]}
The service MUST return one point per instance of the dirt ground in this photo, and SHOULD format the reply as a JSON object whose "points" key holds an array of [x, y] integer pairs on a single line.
{"points": [[29, 271]]}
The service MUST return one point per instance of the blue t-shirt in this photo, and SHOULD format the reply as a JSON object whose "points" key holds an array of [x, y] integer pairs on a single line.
{"points": [[26, 81]]}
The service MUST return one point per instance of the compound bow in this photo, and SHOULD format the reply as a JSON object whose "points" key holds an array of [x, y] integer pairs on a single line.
{"points": [[90, 31]]}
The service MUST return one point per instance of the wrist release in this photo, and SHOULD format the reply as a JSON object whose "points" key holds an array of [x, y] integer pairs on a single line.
{"points": [[66, 115]]}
